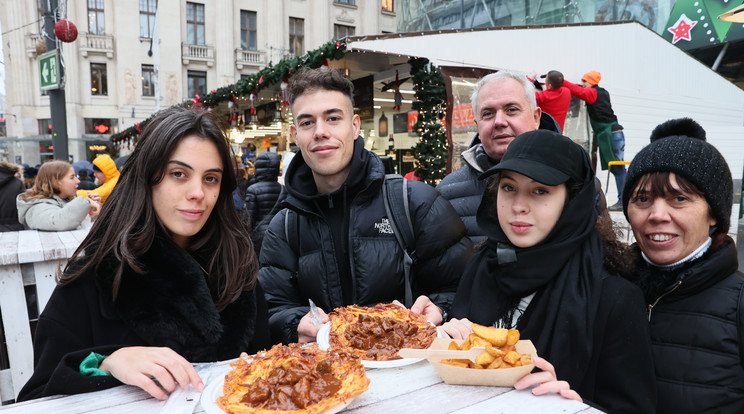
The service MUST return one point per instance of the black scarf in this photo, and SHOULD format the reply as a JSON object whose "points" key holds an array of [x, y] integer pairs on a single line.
{"points": [[565, 272], [173, 305]]}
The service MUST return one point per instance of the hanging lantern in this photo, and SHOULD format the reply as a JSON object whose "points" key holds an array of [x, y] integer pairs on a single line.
{"points": [[398, 97], [253, 98], [65, 31], [285, 93]]}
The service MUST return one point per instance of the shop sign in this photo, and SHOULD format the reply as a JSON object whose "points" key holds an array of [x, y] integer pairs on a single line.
{"points": [[462, 116]]}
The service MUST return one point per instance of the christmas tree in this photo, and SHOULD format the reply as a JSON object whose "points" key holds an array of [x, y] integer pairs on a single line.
{"points": [[431, 100]]}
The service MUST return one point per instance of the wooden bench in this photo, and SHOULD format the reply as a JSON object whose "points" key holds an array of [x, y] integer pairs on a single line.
{"points": [[28, 258]]}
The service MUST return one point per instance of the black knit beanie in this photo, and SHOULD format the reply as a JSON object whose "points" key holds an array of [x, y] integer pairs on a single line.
{"points": [[679, 146]]}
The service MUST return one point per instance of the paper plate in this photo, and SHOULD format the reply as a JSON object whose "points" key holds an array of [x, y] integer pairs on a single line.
{"points": [[323, 340]]}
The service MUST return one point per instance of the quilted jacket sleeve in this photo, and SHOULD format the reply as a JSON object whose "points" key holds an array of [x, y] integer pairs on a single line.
{"points": [[278, 273], [442, 246]]}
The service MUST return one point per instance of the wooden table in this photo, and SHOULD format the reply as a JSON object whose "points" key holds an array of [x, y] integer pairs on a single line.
{"points": [[415, 388], [29, 260]]}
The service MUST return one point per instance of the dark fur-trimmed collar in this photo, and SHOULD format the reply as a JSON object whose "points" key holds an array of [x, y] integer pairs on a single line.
{"points": [[172, 305]]}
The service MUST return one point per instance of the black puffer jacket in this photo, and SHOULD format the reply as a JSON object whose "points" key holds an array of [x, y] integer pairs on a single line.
{"points": [[694, 336], [261, 196], [10, 187], [373, 260]]}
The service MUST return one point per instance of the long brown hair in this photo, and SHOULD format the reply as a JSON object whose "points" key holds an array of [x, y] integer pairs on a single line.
{"points": [[127, 225], [46, 184]]}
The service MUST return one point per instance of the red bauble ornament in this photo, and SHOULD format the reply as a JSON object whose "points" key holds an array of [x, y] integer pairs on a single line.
{"points": [[65, 31]]}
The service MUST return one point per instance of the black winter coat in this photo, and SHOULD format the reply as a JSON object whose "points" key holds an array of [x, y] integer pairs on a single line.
{"points": [[290, 278], [464, 190], [10, 187], [696, 342], [262, 195], [171, 306]]}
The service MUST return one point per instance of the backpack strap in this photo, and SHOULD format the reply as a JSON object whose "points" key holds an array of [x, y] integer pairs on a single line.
{"points": [[292, 230], [395, 195]]}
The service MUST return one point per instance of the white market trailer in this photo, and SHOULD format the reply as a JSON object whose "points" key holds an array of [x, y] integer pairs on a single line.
{"points": [[649, 79]]}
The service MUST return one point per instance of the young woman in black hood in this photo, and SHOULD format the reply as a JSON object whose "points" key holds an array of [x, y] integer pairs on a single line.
{"points": [[547, 269]]}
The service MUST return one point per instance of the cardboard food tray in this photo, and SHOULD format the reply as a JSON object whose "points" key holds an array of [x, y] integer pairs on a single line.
{"points": [[503, 377]]}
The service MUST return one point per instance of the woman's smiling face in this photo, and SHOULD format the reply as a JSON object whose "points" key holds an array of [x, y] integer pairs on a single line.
{"points": [[671, 227]]}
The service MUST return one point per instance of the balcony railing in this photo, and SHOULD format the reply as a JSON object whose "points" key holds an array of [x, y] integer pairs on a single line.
{"points": [[249, 58], [91, 43], [32, 39], [197, 53]]}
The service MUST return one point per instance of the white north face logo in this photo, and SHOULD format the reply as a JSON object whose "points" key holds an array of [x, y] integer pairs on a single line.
{"points": [[384, 226]]}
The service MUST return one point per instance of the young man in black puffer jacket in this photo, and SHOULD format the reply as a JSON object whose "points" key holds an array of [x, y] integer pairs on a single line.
{"points": [[346, 251]]}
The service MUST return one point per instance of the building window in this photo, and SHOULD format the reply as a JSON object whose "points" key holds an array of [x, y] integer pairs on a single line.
{"points": [[95, 17], [98, 83], [99, 126], [340, 31], [147, 17], [349, 2], [387, 5], [197, 83], [45, 126], [247, 30], [148, 80], [195, 23], [296, 36]]}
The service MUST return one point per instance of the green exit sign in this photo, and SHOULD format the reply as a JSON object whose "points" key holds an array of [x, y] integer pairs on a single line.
{"points": [[49, 70]]}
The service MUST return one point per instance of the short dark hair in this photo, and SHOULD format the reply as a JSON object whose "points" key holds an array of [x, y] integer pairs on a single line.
{"points": [[554, 79], [659, 185], [323, 78]]}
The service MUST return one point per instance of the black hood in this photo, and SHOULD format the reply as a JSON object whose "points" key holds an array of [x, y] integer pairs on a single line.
{"points": [[267, 167], [366, 170]]}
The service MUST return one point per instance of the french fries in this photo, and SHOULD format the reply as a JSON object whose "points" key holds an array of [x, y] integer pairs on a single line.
{"points": [[500, 349]]}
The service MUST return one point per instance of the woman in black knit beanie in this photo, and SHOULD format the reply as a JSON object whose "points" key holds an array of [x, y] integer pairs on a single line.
{"points": [[677, 198]]}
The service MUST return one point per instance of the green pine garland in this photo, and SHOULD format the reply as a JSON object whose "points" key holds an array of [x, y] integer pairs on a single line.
{"points": [[431, 103], [270, 75]]}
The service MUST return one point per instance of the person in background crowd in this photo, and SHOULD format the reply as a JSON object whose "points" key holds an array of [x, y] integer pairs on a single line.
{"points": [[608, 134], [29, 175], [238, 193], [549, 269], [261, 196], [10, 187], [105, 171], [504, 106], [555, 99], [165, 277], [678, 198], [52, 204], [86, 182], [334, 243]]}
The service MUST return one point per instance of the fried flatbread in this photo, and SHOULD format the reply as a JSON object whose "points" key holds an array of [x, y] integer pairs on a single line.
{"points": [[377, 333], [294, 378]]}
